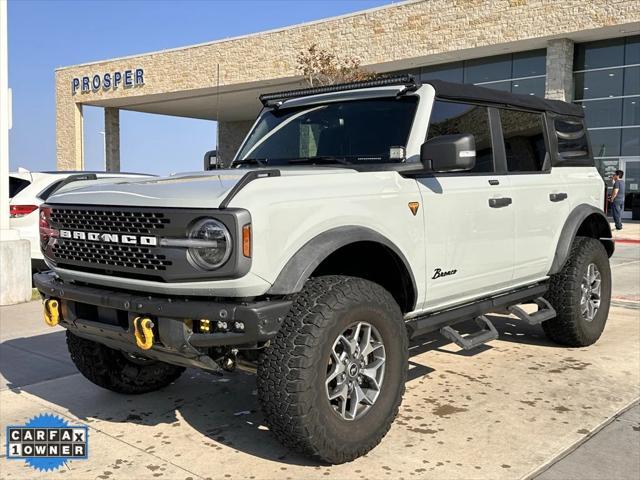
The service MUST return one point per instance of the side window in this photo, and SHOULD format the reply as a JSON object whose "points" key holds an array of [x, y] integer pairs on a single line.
{"points": [[449, 118], [524, 141], [573, 147]]}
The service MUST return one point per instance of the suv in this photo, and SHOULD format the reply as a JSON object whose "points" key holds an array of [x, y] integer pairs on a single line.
{"points": [[354, 218]]}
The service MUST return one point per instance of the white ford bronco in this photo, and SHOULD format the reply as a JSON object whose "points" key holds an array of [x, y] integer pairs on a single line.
{"points": [[353, 219]]}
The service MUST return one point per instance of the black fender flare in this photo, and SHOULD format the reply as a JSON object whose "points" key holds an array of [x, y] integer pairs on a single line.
{"points": [[570, 230], [302, 264]]}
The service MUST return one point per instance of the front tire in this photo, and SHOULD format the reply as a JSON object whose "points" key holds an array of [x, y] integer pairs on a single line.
{"points": [[581, 295], [331, 382], [116, 371]]}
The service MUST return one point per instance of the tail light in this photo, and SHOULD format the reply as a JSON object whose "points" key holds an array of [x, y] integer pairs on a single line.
{"points": [[17, 211], [46, 232]]}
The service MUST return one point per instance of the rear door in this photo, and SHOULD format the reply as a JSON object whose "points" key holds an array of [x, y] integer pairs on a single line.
{"points": [[469, 219], [541, 199]]}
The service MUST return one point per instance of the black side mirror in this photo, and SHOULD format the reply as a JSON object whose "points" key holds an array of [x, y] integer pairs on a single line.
{"points": [[211, 160], [448, 153]]}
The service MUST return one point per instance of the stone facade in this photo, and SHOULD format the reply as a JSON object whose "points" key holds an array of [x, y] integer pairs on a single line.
{"points": [[409, 34]]}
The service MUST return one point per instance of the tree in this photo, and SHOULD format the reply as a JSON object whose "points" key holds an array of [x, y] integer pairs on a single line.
{"points": [[320, 67]]}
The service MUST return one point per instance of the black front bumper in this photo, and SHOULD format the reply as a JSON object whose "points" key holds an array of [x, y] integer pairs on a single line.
{"points": [[106, 316]]}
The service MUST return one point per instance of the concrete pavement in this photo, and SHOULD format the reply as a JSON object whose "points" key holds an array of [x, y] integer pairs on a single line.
{"points": [[503, 411]]}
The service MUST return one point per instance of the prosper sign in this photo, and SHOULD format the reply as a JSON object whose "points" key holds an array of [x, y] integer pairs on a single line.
{"points": [[108, 81]]}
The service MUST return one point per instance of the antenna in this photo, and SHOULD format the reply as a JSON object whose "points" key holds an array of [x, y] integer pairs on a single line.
{"points": [[218, 110]]}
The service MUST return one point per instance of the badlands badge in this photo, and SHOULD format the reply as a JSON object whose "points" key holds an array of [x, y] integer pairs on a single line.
{"points": [[46, 442]]}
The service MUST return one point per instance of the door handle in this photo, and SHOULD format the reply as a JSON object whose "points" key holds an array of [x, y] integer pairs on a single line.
{"points": [[557, 197], [500, 202]]}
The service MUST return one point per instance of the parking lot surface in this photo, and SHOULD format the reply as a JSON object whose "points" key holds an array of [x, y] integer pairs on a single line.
{"points": [[505, 410]]}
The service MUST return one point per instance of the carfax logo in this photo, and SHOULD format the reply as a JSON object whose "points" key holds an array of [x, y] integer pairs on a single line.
{"points": [[46, 442]]}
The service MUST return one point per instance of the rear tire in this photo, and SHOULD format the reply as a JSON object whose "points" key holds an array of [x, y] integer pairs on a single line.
{"points": [[311, 359], [574, 292], [114, 370]]}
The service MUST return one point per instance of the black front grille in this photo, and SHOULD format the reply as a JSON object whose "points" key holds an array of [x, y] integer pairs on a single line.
{"points": [[133, 222], [110, 255], [125, 241]]}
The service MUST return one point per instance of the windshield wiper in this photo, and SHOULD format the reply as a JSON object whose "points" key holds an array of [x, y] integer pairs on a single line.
{"points": [[321, 159], [261, 162]]}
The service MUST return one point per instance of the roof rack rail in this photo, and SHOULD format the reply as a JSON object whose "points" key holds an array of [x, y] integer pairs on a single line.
{"points": [[270, 99]]}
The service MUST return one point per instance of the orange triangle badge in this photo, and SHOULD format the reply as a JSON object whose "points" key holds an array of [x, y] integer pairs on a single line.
{"points": [[413, 206]]}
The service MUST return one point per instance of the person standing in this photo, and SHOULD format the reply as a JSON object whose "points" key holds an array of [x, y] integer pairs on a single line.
{"points": [[617, 198]]}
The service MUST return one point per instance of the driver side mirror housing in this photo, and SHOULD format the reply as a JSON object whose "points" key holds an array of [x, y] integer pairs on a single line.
{"points": [[449, 153], [211, 160]]}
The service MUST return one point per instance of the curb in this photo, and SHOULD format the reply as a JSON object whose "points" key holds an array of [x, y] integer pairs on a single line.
{"points": [[627, 240], [567, 451]]}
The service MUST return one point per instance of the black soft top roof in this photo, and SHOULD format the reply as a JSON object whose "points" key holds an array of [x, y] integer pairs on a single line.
{"points": [[465, 92]]}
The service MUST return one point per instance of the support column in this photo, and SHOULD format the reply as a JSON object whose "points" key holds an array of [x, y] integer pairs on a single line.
{"points": [[230, 137], [559, 85], [15, 261], [112, 139]]}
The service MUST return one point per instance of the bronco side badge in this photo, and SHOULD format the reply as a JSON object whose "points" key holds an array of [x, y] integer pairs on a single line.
{"points": [[413, 206]]}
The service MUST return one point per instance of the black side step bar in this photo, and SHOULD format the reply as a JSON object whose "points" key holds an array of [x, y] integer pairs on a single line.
{"points": [[434, 321], [545, 312], [486, 333]]}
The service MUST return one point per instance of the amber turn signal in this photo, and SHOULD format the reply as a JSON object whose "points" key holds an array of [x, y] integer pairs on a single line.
{"points": [[246, 240]]}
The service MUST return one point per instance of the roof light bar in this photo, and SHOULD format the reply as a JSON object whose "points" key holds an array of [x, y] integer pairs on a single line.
{"points": [[269, 99]]}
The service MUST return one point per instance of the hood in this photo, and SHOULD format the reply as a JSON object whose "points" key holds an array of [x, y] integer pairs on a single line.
{"points": [[188, 190]]}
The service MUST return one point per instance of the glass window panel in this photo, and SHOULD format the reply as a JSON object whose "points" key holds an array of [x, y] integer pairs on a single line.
{"points": [[502, 86], [599, 84], [631, 111], [603, 113], [530, 86], [487, 69], [631, 141], [450, 72], [571, 135], [605, 53], [523, 140], [605, 143], [527, 64], [450, 118], [632, 80], [608, 167], [632, 50]]}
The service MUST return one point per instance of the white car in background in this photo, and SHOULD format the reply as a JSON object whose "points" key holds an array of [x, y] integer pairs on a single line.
{"points": [[28, 190]]}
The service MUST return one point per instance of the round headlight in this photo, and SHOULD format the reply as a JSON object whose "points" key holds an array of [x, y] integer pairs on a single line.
{"points": [[216, 244]]}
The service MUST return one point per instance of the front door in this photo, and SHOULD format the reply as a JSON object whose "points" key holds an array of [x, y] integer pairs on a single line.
{"points": [[469, 219], [631, 168]]}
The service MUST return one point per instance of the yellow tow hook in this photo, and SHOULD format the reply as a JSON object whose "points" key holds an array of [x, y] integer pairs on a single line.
{"points": [[143, 331], [51, 312]]}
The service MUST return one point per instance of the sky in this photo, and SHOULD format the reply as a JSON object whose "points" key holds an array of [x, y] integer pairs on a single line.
{"points": [[47, 34]]}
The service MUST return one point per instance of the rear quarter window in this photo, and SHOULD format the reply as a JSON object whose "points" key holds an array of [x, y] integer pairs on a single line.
{"points": [[16, 185], [572, 142]]}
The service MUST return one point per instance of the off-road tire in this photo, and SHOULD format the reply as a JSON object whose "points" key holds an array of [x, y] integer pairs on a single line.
{"points": [[111, 369], [292, 370], [569, 327]]}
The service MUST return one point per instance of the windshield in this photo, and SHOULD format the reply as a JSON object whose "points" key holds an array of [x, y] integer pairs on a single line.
{"points": [[359, 131]]}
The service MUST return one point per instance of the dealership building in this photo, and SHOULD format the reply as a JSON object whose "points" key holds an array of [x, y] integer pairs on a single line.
{"points": [[586, 52]]}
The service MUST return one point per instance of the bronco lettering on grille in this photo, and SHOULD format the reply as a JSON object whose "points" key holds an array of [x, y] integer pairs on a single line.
{"points": [[109, 237]]}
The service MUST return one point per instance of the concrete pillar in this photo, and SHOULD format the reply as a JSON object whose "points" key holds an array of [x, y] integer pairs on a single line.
{"points": [[559, 84], [112, 139], [230, 136], [15, 254]]}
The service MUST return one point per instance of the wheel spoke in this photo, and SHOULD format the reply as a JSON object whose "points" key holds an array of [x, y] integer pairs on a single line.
{"points": [[336, 369], [341, 391]]}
